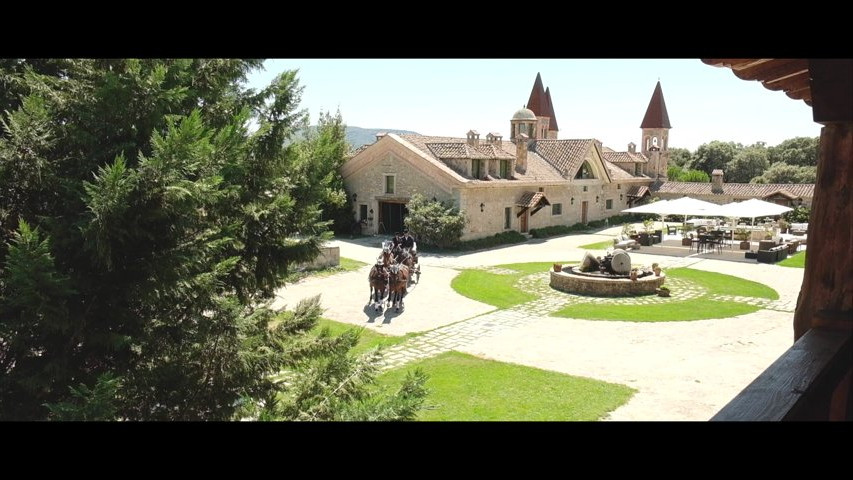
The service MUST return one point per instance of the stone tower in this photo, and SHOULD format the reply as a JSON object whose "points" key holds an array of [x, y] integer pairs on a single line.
{"points": [[523, 121], [540, 104], [655, 141]]}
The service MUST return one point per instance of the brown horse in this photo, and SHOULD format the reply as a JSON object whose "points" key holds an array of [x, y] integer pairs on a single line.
{"points": [[378, 279], [398, 280]]}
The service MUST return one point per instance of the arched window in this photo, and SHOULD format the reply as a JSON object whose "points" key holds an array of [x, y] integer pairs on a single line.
{"points": [[648, 143], [585, 172], [654, 141]]}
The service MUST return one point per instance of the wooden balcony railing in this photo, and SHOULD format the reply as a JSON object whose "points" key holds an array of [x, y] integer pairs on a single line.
{"points": [[810, 381]]}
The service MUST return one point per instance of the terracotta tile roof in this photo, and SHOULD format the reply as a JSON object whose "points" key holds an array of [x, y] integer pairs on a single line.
{"points": [[617, 173], [637, 191], [550, 110], [484, 151], [656, 116], [782, 192], [740, 190], [564, 155], [537, 102], [358, 150], [532, 199], [538, 170], [625, 157]]}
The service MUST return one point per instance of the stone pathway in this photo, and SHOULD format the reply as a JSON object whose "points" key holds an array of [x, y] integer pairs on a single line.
{"points": [[465, 332]]}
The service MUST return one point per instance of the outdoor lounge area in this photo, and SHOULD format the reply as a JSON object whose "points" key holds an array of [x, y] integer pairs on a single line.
{"points": [[717, 233]]}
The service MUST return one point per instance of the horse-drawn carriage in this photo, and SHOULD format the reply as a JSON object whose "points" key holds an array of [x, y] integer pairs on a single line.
{"points": [[395, 269]]}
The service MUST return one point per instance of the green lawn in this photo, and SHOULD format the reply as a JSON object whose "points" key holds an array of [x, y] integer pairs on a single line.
{"points": [[490, 288], [604, 245], [466, 388], [497, 289], [797, 260], [368, 338], [346, 265], [696, 309], [722, 284]]}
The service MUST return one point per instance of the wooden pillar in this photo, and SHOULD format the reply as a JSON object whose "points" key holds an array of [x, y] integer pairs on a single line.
{"points": [[826, 297]]}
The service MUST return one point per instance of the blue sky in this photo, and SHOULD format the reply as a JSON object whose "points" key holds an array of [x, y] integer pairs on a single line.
{"points": [[603, 99]]}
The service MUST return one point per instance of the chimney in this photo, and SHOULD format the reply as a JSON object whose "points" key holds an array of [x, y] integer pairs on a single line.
{"points": [[717, 181], [632, 147], [494, 138], [521, 152], [380, 135], [473, 138]]}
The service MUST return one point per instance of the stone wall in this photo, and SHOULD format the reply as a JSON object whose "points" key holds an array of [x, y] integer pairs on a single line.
{"points": [[605, 287], [328, 257]]}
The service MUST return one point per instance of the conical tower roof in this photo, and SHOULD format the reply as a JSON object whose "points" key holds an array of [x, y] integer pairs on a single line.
{"points": [[537, 97], [549, 112], [656, 116]]}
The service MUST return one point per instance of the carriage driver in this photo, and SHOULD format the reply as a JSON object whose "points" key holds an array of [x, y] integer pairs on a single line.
{"points": [[409, 243]]}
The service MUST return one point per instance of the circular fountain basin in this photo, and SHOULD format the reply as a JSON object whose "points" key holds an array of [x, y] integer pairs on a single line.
{"points": [[595, 284]]}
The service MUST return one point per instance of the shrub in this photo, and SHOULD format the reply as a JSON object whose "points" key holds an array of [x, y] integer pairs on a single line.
{"points": [[797, 215], [434, 223]]}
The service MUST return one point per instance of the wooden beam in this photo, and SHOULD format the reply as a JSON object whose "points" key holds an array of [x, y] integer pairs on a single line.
{"points": [[734, 62], [828, 277], [799, 385], [773, 70], [794, 82], [832, 90]]}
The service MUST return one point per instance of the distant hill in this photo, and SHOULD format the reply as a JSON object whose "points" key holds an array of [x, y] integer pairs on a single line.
{"points": [[357, 136]]}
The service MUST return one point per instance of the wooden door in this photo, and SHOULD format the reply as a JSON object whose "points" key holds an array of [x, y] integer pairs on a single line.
{"points": [[524, 221], [584, 208]]}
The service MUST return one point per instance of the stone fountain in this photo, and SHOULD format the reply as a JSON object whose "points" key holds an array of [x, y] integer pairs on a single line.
{"points": [[610, 276]]}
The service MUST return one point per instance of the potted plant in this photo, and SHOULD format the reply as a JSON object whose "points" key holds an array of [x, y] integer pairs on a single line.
{"points": [[662, 292], [656, 269], [686, 236], [783, 225], [742, 234], [558, 267]]}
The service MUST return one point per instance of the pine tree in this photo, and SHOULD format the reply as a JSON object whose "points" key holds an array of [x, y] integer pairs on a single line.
{"points": [[143, 231]]}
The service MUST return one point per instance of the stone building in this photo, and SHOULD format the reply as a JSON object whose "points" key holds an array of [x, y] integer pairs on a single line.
{"points": [[533, 179]]}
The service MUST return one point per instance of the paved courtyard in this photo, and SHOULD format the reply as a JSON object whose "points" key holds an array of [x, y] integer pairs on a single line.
{"points": [[681, 370]]}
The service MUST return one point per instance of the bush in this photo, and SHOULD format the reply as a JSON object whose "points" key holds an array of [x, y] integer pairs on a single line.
{"points": [[555, 230], [504, 238], [434, 223], [797, 215]]}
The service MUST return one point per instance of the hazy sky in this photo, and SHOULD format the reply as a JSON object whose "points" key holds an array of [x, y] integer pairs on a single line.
{"points": [[603, 99]]}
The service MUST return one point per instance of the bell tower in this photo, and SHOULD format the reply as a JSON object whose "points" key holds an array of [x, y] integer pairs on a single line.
{"points": [[655, 139]]}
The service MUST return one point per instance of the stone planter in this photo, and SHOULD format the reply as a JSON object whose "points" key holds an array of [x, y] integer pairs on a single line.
{"points": [[657, 271], [662, 292], [558, 267]]}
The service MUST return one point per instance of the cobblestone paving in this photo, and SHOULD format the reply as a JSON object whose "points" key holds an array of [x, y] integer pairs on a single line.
{"points": [[452, 336]]}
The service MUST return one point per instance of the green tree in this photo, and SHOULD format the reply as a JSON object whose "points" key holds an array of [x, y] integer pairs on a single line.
{"points": [[674, 172], [143, 231], [680, 157], [714, 155], [695, 176], [433, 222], [747, 164], [784, 173], [799, 151]]}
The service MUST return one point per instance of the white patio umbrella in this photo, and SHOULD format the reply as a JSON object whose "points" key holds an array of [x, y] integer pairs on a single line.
{"points": [[753, 208], [658, 208], [681, 206]]}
